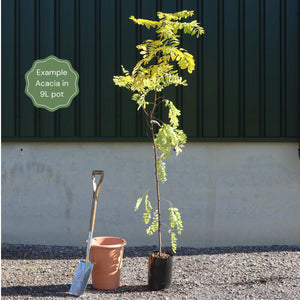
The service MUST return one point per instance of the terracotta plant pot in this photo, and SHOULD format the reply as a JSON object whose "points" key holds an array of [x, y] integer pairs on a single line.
{"points": [[160, 271], [107, 254]]}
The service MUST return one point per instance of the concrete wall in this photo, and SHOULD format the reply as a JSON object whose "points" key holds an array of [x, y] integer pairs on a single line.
{"points": [[229, 193]]}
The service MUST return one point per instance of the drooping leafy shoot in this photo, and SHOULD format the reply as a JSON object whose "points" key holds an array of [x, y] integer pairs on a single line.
{"points": [[159, 68]]}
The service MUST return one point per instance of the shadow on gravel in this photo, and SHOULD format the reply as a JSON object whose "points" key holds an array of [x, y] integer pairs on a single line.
{"points": [[61, 252], [60, 290], [121, 289], [9, 251]]}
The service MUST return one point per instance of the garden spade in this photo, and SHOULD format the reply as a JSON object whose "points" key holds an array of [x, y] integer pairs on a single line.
{"points": [[85, 267]]}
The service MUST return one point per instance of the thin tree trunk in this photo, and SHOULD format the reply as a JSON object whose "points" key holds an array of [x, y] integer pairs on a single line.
{"points": [[157, 191], [156, 175]]}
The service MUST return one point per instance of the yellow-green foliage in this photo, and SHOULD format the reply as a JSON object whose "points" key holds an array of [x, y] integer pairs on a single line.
{"points": [[154, 72], [161, 53]]}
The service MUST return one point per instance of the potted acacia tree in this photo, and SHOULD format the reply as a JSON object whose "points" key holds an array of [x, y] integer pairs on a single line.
{"points": [[157, 70]]}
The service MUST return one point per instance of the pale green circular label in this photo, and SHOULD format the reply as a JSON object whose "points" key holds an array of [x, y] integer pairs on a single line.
{"points": [[51, 83]]}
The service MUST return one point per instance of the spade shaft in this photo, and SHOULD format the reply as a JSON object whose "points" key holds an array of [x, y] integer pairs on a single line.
{"points": [[85, 267]]}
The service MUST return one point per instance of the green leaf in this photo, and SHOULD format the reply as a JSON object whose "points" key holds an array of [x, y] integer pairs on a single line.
{"points": [[173, 241], [161, 167], [126, 73], [154, 225], [174, 113], [148, 206], [175, 16], [175, 221], [138, 203], [146, 217]]}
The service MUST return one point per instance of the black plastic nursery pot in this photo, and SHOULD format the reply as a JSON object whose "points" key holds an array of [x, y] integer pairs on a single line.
{"points": [[160, 271]]}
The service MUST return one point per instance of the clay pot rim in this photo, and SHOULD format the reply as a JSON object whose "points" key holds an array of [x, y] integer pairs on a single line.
{"points": [[108, 246]]}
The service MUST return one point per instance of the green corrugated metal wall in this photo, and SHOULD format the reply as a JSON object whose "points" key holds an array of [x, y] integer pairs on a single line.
{"points": [[245, 86]]}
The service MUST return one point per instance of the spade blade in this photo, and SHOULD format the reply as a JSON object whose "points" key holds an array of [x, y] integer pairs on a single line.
{"points": [[81, 278]]}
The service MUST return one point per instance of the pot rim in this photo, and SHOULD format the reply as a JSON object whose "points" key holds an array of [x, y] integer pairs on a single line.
{"points": [[117, 245], [156, 251]]}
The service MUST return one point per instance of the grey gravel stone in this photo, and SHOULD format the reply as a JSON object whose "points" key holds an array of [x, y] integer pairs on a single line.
{"points": [[46, 272]]}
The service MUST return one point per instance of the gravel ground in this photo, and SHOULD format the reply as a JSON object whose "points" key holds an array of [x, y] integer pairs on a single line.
{"points": [[46, 272]]}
